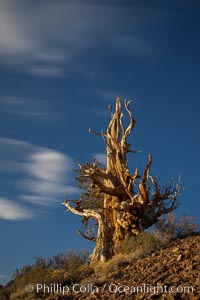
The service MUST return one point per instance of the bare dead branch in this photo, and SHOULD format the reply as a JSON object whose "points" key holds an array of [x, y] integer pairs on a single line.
{"points": [[113, 191], [146, 171], [95, 132], [134, 151], [93, 239], [132, 120]]}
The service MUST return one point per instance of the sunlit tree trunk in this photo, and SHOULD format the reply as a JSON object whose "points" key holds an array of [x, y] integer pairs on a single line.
{"points": [[131, 202]]}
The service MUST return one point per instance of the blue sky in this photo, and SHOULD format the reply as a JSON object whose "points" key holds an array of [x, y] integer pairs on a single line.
{"points": [[61, 64]]}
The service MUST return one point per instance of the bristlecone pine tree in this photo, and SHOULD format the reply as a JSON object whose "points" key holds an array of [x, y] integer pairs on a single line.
{"points": [[122, 203]]}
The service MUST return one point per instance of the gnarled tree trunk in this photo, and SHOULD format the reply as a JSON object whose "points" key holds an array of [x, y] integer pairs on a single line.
{"points": [[131, 202]]}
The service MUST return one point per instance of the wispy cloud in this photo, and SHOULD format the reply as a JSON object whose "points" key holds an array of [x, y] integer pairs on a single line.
{"points": [[101, 157], [13, 211], [48, 165], [47, 38], [45, 71], [24, 107], [132, 44], [37, 175]]}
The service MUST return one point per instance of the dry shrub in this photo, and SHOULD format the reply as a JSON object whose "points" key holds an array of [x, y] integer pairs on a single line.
{"points": [[106, 270], [170, 228], [138, 246], [78, 274]]}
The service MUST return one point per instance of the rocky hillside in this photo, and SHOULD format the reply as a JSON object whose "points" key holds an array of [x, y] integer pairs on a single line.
{"points": [[170, 273]]}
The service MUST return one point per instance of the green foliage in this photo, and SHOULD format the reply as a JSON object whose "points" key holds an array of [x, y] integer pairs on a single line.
{"points": [[90, 198]]}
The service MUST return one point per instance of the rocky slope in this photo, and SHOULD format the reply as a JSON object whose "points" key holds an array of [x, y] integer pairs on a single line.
{"points": [[170, 273]]}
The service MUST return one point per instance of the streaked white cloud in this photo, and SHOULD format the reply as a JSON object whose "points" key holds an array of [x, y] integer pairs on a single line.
{"points": [[45, 71], [14, 40], [44, 193], [47, 38], [13, 211], [49, 165], [101, 157], [24, 107], [131, 44], [38, 175]]}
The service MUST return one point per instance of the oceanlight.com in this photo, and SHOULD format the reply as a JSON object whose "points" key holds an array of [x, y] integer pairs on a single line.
{"points": [[111, 288]]}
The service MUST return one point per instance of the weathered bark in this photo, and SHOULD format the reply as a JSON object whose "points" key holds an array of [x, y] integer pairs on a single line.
{"points": [[131, 202]]}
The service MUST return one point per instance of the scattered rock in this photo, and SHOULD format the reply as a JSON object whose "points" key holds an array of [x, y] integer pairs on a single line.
{"points": [[171, 273]]}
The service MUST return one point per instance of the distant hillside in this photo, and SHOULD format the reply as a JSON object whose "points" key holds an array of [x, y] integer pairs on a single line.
{"points": [[172, 272]]}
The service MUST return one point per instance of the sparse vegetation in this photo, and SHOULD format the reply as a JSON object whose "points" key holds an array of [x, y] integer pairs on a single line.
{"points": [[63, 268], [72, 267], [170, 227], [139, 246]]}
